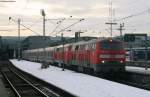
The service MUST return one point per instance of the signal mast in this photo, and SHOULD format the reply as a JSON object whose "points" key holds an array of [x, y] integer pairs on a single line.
{"points": [[111, 21]]}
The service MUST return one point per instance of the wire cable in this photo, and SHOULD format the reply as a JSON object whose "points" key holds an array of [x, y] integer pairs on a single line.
{"points": [[69, 26]]}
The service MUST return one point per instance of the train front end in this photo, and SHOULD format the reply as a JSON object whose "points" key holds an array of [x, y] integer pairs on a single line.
{"points": [[110, 56]]}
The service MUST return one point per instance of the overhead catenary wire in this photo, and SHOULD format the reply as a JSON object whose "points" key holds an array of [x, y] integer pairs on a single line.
{"points": [[31, 30], [58, 25], [69, 26], [34, 23], [10, 29], [131, 3], [25, 26], [59, 22], [133, 15]]}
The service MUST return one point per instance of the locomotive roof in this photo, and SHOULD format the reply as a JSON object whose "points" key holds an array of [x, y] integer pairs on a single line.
{"points": [[94, 40], [72, 44]]}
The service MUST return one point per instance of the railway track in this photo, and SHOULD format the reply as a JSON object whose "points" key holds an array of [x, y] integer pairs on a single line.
{"points": [[27, 86], [123, 78]]}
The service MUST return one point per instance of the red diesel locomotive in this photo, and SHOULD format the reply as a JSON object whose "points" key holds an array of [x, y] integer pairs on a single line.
{"points": [[96, 55]]}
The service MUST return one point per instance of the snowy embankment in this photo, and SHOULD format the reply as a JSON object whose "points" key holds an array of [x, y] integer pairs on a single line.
{"points": [[80, 84]]}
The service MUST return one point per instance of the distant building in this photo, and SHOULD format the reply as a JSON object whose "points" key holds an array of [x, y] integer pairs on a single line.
{"points": [[33, 42]]}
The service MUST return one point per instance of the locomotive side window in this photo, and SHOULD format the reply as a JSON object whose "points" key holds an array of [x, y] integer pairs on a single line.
{"points": [[93, 46], [82, 47], [89, 46], [86, 47]]}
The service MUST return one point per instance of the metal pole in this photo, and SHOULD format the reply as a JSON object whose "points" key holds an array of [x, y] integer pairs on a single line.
{"points": [[19, 44], [44, 58], [111, 26], [146, 53], [63, 64], [111, 30], [44, 26], [121, 29], [44, 65]]}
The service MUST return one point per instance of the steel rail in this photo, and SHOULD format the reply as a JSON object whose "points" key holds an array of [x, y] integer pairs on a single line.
{"points": [[11, 85], [59, 91], [34, 87]]}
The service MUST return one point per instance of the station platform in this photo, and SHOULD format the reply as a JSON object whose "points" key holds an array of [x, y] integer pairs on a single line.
{"points": [[3, 92], [79, 84]]}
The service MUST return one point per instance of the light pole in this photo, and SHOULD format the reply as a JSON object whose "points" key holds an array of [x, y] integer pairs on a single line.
{"points": [[19, 39], [43, 14], [44, 60], [19, 45]]}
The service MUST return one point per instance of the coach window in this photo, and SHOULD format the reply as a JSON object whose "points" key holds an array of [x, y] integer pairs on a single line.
{"points": [[93, 45], [70, 47], [86, 47], [83, 47], [57, 49], [80, 46], [77, 47], [49, 53], [66, 49], [90, 46]]}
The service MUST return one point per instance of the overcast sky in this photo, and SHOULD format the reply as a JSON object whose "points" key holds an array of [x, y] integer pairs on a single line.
{"points": [[95, 13]]}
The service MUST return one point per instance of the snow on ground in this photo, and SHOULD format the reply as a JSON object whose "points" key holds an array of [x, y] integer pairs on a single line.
{"points": [[80, 84], [138, 69]]}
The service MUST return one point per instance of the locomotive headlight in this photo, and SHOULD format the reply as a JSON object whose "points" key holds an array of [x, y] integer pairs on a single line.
{"points": [[121, 61], [103, 61]]}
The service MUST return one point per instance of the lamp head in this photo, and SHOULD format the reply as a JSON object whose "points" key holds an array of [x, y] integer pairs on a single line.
{"points": [[43, 12], [9, 18]]}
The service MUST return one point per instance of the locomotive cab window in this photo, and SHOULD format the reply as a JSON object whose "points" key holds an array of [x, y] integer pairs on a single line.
{"points": [[111, 45]]}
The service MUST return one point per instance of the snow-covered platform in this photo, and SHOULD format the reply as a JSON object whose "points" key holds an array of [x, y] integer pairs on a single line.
{"points": [[138, 70], [80, 84]]}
